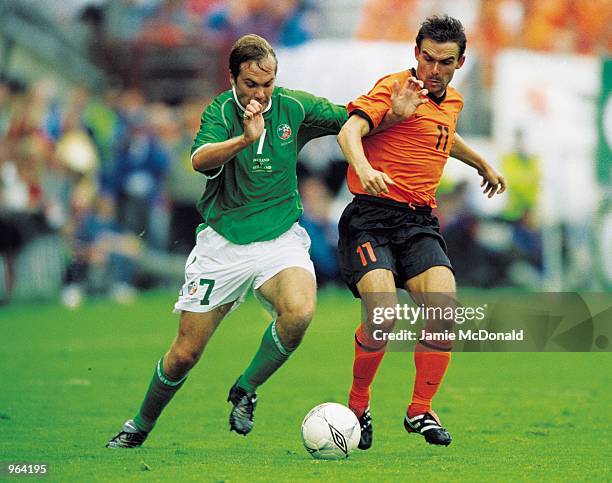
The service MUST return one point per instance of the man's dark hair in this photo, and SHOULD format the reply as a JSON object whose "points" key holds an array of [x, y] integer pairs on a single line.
{"points": [[250, 48], [442, 29]]}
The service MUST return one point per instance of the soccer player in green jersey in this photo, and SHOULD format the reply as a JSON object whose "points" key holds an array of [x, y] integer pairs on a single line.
{"points": [[247, 147]]}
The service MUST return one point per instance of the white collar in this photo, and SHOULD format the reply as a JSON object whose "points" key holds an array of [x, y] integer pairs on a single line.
{"points": [[242, 107]]}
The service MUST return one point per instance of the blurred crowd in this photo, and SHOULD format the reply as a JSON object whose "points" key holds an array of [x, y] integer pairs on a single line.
{"points": [[111, 175], [174, 22], [542, 25]]}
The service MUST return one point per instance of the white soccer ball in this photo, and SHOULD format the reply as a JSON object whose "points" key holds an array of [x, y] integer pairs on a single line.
{"points": [[330, 431]]}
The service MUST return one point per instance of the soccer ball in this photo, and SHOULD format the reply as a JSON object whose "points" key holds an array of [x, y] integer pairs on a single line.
{"points": [[330, 431]]}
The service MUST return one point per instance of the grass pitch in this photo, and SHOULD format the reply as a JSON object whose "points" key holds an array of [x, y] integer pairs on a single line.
{"points": [[70, 379]]}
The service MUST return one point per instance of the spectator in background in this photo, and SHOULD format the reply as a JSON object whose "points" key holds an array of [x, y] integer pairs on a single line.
{"points": [[125, 19], [299, 20], [140, 166], [105, 255], [391, 20], [106, 120], [75, 161], [30, 161], [13, 196], [93, 117], [183, 184], [499, 27], [59, 110], [568, 26], [476, 264], [31, 112], [25, 210], [549, 26], [593, 23], [240, 17], [102, 120], [283, 23], [5, 107], [322, 229], [198, 9], [523, 173], [170, 25]]}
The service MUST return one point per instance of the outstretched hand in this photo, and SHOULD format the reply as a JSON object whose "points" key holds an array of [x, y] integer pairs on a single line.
{"points": [[406, 99], [493, 182]]}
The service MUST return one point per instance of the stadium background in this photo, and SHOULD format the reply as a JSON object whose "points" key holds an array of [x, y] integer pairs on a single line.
{"points": [[99, 102]]}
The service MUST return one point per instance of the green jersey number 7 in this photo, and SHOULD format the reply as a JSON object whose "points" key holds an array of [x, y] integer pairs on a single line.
{"points": [[261, 142]]}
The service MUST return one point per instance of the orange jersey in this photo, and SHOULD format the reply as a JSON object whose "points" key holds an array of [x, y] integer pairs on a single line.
{"points": [[413, 152]]}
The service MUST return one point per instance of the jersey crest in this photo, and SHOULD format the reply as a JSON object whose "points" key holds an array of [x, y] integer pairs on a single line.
{"points": [[284, 131]]}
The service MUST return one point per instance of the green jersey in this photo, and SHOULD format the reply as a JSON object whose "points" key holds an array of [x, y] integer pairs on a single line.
{"points": [[254, 196]]}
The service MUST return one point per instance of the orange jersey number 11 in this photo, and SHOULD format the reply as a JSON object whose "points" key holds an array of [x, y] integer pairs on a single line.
{"points": [[443, 135]]}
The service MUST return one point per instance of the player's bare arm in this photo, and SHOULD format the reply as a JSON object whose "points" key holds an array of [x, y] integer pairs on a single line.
{"points": [[217, 154], [404, 102], [492, 182], [372, 181]]}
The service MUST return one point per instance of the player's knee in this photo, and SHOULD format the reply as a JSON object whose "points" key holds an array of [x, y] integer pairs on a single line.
{"points": [[181, 360], [297, 322], [380, 318], [296, 316], [293, 324]]}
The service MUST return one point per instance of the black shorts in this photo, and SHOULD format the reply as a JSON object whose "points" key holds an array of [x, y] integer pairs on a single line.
{"points": [[379, 233]]}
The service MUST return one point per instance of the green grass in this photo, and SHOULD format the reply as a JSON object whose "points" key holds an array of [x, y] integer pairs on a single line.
{"points": [[70, 379]]}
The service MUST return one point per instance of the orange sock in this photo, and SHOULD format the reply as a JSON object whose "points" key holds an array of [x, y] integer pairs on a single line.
{"points": [[367, 359], [430, 369]]}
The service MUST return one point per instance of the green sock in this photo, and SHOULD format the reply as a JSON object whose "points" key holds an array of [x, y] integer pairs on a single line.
{"points": [[269, 357], [160, 391]]}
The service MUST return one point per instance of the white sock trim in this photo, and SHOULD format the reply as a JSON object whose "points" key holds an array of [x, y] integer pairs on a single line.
{"points": [[277, 341], [162, 377]]}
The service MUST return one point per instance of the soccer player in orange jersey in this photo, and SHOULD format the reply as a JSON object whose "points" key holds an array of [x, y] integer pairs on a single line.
{"points": [[397, 141]]}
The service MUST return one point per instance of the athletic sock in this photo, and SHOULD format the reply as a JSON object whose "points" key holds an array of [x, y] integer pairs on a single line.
{"points": [[160, 392], [430, 366], [366, 362], [268, 358]]}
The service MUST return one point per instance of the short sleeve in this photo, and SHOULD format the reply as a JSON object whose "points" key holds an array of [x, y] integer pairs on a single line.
{"points": [[374, 105], [321, 116], [214, 127]]}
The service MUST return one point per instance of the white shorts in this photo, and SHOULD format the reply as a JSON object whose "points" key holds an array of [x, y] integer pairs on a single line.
{"points": [[218, 271]]}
